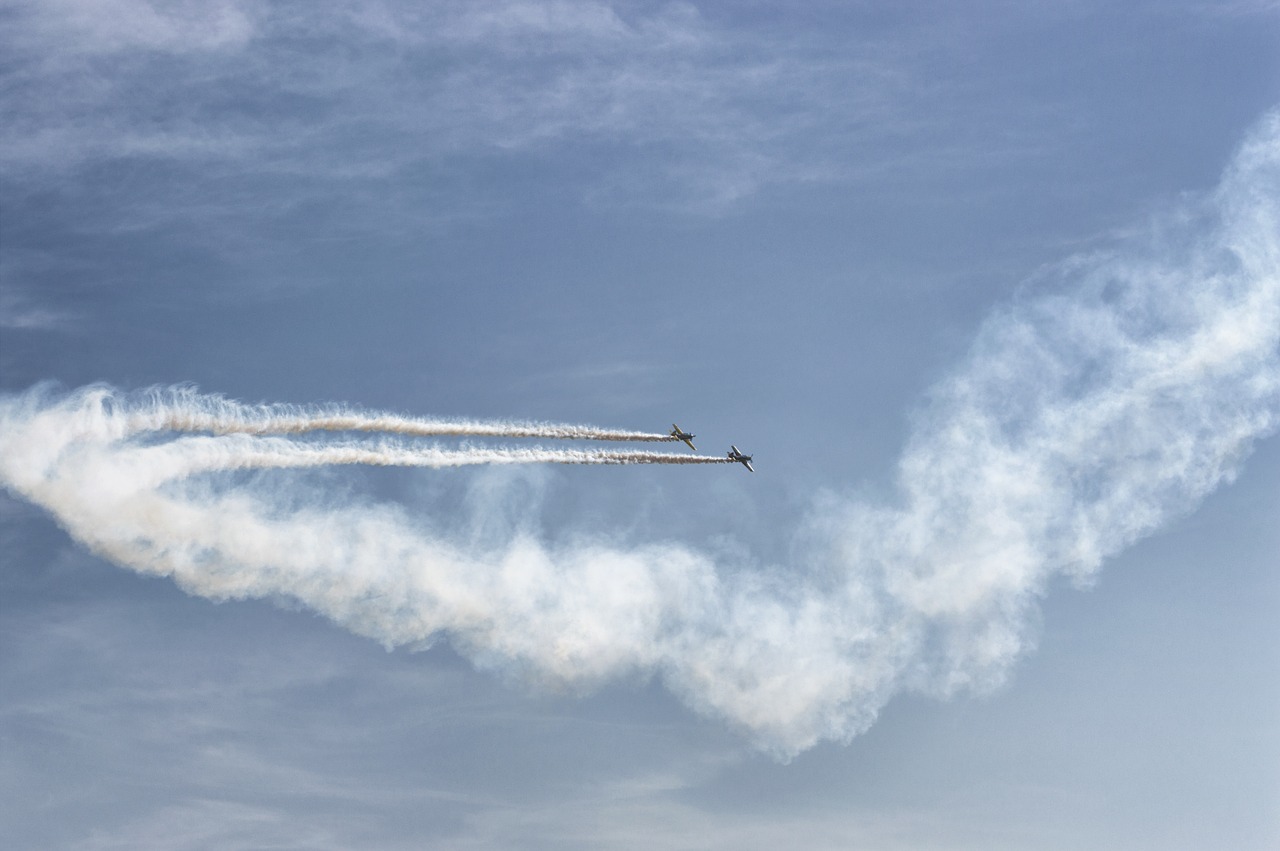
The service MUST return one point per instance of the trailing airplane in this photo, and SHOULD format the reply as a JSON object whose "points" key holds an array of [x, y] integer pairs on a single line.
{"points": [[683, 435], [744, 460]]}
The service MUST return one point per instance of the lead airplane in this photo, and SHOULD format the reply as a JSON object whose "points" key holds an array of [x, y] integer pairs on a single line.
{"points": [[744, 460], [683, 435]]}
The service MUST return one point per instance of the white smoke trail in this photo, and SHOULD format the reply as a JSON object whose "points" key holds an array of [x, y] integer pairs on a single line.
{"points": [[190, 455], [1087, 414], [182, 409]]}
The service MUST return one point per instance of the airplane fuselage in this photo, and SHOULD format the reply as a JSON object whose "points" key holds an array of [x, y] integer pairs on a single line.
{"points": [[683, 435], [745, 460]]}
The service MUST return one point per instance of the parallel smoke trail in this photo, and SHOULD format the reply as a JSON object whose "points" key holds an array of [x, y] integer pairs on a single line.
{"points": [[184, 410], [1107, 401], [319, 456], [240, 452]]}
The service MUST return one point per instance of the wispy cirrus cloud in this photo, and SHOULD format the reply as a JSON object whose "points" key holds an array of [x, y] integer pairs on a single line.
{"points": [[663, 103], [19, 312], [87, 28]]}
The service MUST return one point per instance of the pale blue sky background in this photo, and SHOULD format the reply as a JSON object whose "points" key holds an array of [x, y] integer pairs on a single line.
{"points": [[777, 226]]}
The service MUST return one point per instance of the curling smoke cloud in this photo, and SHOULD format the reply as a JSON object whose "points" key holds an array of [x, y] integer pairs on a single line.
{"points": [[1113, 396]]}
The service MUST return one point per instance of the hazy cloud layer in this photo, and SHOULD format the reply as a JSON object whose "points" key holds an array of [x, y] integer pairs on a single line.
{"points": [[707, 108]]}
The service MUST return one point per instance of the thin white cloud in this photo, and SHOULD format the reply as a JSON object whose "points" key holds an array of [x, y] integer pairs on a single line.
{"points": [[101, 27], [19, 311], [681, 110]]}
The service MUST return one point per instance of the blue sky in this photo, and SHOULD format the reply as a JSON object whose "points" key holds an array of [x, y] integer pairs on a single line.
{"points": [[987, 292]]}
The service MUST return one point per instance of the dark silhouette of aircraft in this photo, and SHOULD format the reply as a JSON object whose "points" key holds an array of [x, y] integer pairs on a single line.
{"points": [[683, 435], [744, 460]]}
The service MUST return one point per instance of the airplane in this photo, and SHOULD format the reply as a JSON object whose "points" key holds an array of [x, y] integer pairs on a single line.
{"points": [[683, 435], [744, 460]]}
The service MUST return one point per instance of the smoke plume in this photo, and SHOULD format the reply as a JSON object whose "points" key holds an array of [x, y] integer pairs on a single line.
{"points": [[182, 409], [1113, 395]]}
